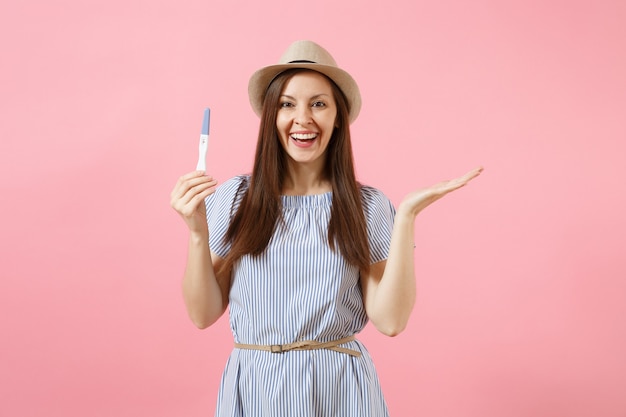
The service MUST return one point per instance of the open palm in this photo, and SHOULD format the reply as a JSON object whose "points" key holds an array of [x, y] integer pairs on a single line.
{"points": [[418, 200]]}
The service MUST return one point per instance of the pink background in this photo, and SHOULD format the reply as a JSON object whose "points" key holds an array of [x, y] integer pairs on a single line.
{"points": [[522, 301]]}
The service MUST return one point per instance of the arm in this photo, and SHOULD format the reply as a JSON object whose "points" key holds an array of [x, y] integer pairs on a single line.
{"points": [[389, 288], [205, 293]]}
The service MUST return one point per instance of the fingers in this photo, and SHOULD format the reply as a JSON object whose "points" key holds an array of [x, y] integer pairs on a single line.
{"points": [[188, 182], [418, 200], [471, 174], [190, 190], [459, 182]]}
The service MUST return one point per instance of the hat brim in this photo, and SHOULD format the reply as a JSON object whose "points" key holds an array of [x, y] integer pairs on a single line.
{"points": [[261, 79]]}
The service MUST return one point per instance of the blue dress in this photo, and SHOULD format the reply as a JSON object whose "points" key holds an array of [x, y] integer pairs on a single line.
{"points": [[298, 289]]}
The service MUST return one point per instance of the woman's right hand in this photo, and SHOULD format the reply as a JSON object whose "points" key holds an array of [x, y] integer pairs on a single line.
{"points": [[187, 198]]}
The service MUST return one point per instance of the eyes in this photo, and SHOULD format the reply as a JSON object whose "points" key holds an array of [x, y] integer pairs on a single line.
{"points": [[285, 104]]}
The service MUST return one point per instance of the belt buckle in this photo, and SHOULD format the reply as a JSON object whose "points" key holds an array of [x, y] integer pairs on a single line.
{"points": [[276, 348]]}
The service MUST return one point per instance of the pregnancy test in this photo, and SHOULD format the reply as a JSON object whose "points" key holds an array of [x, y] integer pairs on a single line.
{"points": [[204, 140]]}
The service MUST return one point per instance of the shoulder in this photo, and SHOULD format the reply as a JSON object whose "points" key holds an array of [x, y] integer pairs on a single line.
{"points": [[221, 206], [228, 194], [233, 187], [235, 183], [380, 215], [372, 197], [377, 207]]}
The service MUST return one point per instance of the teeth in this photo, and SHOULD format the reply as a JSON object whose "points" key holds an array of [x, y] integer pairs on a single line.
{"points": [[304, 136]]}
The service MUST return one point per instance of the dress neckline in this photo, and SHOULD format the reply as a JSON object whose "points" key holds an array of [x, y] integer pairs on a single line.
{"points": [[311, 200]]}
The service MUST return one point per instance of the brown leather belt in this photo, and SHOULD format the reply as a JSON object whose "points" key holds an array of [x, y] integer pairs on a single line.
{"points": [[305, 345]]}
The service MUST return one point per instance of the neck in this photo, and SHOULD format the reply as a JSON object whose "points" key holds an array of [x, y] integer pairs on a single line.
{"points": [[305, 180]]}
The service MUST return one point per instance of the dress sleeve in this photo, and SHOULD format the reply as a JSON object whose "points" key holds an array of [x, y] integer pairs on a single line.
{"points": [[379, 215], [221, 207]]}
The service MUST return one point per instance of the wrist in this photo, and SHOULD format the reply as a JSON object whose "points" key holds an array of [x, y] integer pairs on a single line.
{"points": [[198, 238], [406, 213]]}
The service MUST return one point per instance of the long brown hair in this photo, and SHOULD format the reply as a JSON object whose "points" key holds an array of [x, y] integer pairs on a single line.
{"points": [[253, 225]]}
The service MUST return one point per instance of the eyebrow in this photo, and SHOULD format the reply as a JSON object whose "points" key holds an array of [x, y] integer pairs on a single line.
{"points": [[312, 98]]}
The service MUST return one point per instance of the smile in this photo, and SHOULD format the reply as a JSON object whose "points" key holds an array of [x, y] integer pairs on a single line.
{"points": [[303, 137]]}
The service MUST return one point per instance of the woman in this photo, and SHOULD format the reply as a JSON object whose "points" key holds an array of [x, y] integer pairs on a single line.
{"points": [[302, 253]]}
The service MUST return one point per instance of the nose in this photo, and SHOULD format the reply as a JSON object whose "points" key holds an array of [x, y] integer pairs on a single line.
{"points": [[303, 115]]}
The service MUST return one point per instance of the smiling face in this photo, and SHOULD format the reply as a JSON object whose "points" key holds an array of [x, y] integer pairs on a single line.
{"points": [[306, 118]]}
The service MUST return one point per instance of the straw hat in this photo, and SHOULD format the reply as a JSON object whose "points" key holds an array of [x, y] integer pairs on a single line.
{"points": [[309, 55]]}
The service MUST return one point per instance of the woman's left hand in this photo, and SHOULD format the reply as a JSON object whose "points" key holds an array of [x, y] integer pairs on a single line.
{"points": [[418, 200]]}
